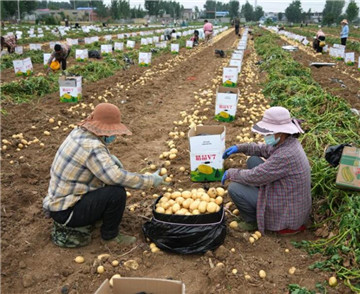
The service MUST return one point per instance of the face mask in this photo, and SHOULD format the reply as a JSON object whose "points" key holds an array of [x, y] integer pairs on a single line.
{"points": [[270, 140], [108, 140]]}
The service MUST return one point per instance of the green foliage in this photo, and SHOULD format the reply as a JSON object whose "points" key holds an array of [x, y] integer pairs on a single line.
{"points": [[294, 12], [332, 11], [234, 6], [258, 13], [352, 11], [247, 11]]}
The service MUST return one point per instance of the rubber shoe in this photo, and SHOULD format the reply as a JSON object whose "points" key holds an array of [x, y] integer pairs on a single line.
{"points": [[289, 232], [245, 226], [124, 240]]}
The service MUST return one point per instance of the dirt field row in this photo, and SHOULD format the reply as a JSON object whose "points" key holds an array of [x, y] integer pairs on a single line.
{"points": [[32, 264]]}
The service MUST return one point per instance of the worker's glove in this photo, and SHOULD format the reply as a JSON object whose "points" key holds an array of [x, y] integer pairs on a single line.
{"points": [[117, 161], [159, 180], [229, 151], [224, 177]]}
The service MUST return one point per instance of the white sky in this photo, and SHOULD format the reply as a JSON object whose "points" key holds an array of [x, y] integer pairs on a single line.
{"points": [[267, 5]]}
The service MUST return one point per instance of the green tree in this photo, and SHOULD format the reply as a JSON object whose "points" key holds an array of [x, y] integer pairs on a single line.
{"points": [[332, 11], [352, 11], [247, 11], [294, 12], [258, 13], [234, 6], [280, 16], [137, 12], [210, 8], [101, 9], [152, 6], [10, 8]]}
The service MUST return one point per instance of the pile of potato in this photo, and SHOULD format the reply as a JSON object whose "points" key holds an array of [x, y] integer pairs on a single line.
{"points": [[194, 202]]}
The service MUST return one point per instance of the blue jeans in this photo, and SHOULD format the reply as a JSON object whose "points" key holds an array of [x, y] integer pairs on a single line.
{"points": [[244, 196]]}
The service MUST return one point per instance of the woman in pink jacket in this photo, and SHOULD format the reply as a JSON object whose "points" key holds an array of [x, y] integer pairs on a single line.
{"points": [[208, 30]]}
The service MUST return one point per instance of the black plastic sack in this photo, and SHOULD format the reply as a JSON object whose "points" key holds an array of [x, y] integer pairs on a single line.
{"points": [[333, 154], [186, 234], [94, 54]]}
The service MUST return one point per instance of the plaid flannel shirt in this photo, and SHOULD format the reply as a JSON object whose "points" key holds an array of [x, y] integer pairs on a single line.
{"points": [[284, 181], [64, 52], [83, 164], [10, 41]]}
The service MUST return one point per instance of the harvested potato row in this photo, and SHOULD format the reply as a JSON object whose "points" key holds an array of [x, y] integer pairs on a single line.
{"points": [[194, 202]]}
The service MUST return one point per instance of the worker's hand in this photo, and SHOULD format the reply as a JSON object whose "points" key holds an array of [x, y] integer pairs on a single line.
{"points": [[159, 180], [224, 177], [117, 161], [229, 151]]}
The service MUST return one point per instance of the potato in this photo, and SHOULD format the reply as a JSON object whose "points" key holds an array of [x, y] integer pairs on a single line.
{"points": [[234, 224], [202, 206], [163, 171], [168, 211], [287, 250], [51, 120], [46, 133], [251, 240], [175, 194], [115, 263], [262, 274], [255, 236], [234, 271], [179, 200], [219, 200], [247, 277], [167, 163], [163, 199], [205, 197], [220, 191], [257, 233], [175, 207], [292, 270], [155, 249], [173, 151], [153, 167], [79, 259], [211, 207], [212, 192], [187, 202], [194, 205], [181, 168], [186, 194], [160, 209], [195, 212], [332, 281], [100, 269], [168, 180], [232, 250], [236, 211], [172, 156]]}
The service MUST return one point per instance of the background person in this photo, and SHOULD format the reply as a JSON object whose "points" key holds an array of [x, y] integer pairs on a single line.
{"points": [[168, 32], [208, 30], [272, 194], [344, 31], [9, 42], [237, 26], [87, 183], [60, 54], [319, 41]]}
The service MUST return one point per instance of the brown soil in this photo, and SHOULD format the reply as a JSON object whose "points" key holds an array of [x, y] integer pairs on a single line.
{"points": [[340, 80], [32, 264]]}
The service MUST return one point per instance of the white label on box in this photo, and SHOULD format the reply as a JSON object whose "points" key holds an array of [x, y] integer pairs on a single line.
{"points": [[350, 57], [156, 39], [119, 46], [326, 48], [88, 40], [35, 46], [305, 42], [70, 88], [19, 49], [81, 54], [340, 53], [143, 41], [95, 39], [130, 44], [359, 62], [237, 56], [134, 34], [120, 36], [144, 58], [189, 44], [332, 52], [46, 57], [106, 48], [230, 76], [32, 36], [149, 40], [237, 63], [108, 37], [226, 104], [175, 47], [28, 64], [18, 66], [173, 35], [338, 46], [212, 159], [162, 38]]}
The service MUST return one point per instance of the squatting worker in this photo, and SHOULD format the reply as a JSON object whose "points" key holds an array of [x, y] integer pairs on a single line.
{"points": [[344, 31], [60, 54], [9, 42], [208, 30], [167, 33], [272, 194], [87, 183], [319, 41]]}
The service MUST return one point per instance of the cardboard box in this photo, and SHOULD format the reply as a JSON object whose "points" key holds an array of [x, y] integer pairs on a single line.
{"points": [[237, 63], [119, 46], [81, 54], [348, 175], [144, 59], [230, 76], [106, 49], [175, 48], [70, 89], [207, 145], [226, 104], [138, 285], [23, 67], [189, 44]]}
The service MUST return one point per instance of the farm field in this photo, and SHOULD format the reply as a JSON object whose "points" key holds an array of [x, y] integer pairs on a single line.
{"points": [[158, 104]]}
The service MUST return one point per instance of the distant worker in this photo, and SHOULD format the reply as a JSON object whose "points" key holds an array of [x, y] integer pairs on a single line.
{"points": [[208, 30], [237, 26], [195, 38], [60, 54], [9, 42], [66, 22], [319, 41], [167, 33], [344, 32]]}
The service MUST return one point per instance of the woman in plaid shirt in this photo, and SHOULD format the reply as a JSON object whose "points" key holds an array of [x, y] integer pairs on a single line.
{"points": [[87, 182], [272, 194]]}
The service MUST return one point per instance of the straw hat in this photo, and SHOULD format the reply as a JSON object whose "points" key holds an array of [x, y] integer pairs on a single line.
{"points": [[344, 21], [277, 120], [105, 120]]}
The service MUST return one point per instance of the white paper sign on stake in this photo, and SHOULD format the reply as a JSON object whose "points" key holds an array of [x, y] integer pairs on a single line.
{"points": [[350, 58], [19, 49], [175, 48], [189, 44], [106, 49], [119, 46], [144, 58], [81, 54]]}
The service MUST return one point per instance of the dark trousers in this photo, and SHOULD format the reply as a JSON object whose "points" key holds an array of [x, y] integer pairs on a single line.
{"points": [[63, 60], [106, 204], [343, 41], [244, 196], [236, 29]]}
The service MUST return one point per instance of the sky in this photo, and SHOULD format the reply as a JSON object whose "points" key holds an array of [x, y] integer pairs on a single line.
{"points": [[267, 5]]}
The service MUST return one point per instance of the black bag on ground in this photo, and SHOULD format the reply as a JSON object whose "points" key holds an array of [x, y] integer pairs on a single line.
{"points": [[333, 154], [186, 234], [94, 54]]}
